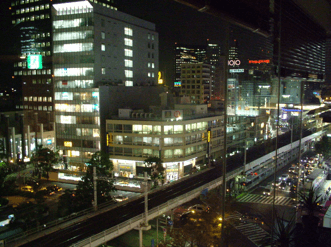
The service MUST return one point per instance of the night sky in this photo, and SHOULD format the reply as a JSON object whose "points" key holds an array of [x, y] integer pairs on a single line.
{"points": [[174, 22]]}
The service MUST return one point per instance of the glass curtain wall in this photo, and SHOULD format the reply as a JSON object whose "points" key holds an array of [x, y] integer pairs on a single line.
{"points": [[76, 101]]}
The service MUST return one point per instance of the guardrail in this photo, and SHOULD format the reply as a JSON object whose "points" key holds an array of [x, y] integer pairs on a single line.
{"points": [[135, 222]]}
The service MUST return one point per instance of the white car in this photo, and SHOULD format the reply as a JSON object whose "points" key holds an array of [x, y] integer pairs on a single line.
{"points": [[284, 177], [199, 208]]}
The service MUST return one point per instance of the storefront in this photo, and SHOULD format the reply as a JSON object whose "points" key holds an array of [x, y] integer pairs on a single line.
{"points": [[124, 168], [172, 171]]}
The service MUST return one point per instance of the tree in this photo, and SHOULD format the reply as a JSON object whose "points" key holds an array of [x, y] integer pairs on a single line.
{"points": [[157, 169], [82, 198], [43, 160], [323, 146]]}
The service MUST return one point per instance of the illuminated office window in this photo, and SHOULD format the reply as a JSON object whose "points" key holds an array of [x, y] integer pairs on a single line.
{"points": [[128, 42], [128, 73], [103, 35], [128, 52], [128, 83], [103, 71], [103, 47], [128, 31], [128, 63], [75, 47]]}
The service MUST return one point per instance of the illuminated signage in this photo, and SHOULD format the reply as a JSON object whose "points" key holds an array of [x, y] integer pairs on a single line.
{"points": [[172, 114], [259, 61], [236, 70], [34, 62], [109, 139], [49, 141], [312, 76], [233, 63], [208, 140], [160, 81], [177, 84], [68, 144]]}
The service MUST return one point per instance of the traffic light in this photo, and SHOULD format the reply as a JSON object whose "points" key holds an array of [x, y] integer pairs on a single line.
{"points": [[243, 183]]}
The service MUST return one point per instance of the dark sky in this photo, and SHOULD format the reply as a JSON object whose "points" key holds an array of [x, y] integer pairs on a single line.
{"points": [[175, 23]]}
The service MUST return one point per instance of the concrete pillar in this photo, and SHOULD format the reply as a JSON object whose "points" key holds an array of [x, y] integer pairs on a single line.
{"points": [[42, 134], [36, 129], [22, 135], [54, 137], [13, 143], [28, 140]]}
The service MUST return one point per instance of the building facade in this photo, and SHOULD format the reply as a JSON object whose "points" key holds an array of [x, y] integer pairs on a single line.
{"points": [[180, 141], [93, 46]]}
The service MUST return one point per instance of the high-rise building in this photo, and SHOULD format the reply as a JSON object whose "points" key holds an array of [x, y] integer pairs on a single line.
{"points": [[195, 79], [94, 45], [31, 23]]}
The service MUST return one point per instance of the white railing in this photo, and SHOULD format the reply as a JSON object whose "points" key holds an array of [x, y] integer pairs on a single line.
{"points": [[135, 222]]}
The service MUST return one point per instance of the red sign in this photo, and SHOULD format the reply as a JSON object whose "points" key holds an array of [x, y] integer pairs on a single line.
{"points": [[177, 114], [259, 61]]}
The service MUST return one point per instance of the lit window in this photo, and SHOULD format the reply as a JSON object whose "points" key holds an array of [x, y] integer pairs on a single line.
{"points": [[128, 73], [44, 108], [50, 108], [40, 99], [103, 71], [152, 74], [27, 10], [149, 36], [128, 52], [149, 65], [152, 36], [128, 42], [128, 31], [128, 63], [153, 65], [103, 47], [25, 98], [103, 35], [22, 11], [30, 98], [149, 74], [41, 7], [49, 99], [42, 17], [40, 108], [128, 83], [37, 8], [35, 99], [46, 6], [45, 99], [31, 9]]}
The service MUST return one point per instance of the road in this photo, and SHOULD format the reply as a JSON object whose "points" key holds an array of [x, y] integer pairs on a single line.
{"points": [[99, 223]]}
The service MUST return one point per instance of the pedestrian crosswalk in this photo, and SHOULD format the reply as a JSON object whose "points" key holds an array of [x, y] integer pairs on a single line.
{"points": [[279, 200], [252, 231]]}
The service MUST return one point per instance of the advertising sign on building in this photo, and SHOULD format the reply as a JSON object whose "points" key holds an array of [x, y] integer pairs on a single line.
{"points": [[172, 114], [34, 62]]}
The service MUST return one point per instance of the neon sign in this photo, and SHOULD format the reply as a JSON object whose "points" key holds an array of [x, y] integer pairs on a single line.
{"points": [[233, 63], [177, 84], [259, 61], [236, 70]]}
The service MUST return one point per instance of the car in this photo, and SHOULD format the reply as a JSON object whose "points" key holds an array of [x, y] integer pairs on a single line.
{"points": [[282, 185], [268, 190], [199, 208], [120, 198], [291, 170], [284, 177], [27, 188], [289, 181]]}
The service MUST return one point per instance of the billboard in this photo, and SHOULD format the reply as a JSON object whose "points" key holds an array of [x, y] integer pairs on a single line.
{"points": [[172, 114], [34, 62]]}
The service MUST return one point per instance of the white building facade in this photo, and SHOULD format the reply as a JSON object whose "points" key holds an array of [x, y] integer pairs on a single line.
{"points": [[92, 46]]}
